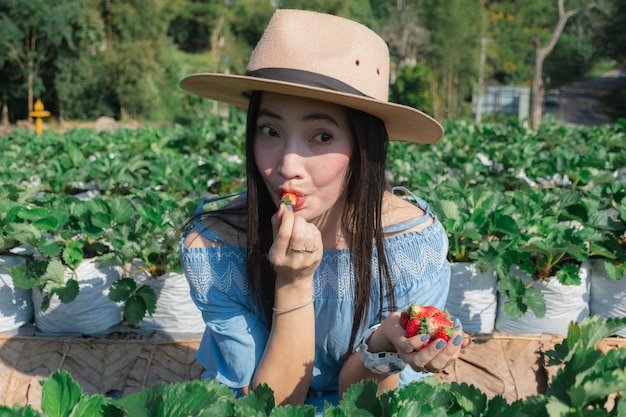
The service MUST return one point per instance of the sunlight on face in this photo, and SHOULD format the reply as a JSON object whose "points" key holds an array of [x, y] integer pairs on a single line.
{"points": [[303, 146]]}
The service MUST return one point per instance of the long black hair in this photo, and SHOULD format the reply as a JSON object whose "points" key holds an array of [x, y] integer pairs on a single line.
{"points": [[361, 219]]}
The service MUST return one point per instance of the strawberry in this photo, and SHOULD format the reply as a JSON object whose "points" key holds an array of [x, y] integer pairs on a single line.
{"points": [[438, 326], [289, 199], [422, 311], [404, 319], [417, 319], [413, 327]]}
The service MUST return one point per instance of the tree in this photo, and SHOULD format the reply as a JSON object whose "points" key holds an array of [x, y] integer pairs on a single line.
{"points": [[79, 77], [30, 34], [540, 55], [453, 52], [135, 41], [615, 33]]}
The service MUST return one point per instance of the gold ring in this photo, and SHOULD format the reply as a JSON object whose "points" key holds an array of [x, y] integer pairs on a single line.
{"points": [[301, 250]]}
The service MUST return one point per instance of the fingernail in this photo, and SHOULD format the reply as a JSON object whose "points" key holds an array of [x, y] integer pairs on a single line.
{"points": [[289, 207], [457, 340], [457, 324], [441, 344], [424, 338]]}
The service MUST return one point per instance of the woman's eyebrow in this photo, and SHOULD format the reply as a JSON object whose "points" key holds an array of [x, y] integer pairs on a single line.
{"points": [[308, 117], [269, 113], [321, 116]]}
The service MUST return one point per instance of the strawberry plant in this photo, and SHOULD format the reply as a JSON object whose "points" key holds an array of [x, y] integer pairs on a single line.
{"points": [[588, 382], [479, 221]]}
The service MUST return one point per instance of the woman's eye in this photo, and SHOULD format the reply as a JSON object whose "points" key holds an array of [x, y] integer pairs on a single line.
{"points": [[269, 131], [323, 137]]}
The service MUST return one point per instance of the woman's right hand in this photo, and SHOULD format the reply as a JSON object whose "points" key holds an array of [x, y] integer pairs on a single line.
{"points": [[297, 249]]}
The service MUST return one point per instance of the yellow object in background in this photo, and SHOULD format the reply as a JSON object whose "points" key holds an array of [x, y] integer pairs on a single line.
{"points": [[39, 113]]}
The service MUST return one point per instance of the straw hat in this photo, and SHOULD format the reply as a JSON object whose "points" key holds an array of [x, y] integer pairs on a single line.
{"points": [[324, 57]]}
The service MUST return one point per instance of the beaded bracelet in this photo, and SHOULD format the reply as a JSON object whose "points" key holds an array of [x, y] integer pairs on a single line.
{"points": [[288, 309]]}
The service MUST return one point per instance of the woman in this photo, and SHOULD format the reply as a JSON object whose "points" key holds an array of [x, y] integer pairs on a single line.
{"points": [[306, 298]]}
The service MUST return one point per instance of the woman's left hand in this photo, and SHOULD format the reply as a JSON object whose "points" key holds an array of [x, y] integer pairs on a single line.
{"points": [[433, 358]]}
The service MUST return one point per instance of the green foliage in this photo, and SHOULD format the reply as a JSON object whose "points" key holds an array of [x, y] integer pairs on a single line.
{"points": [[30, 35], [586, 379], [452, 26], [412, 88]]}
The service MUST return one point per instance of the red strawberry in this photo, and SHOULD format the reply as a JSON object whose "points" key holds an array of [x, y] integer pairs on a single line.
{"points": [[289, 199], [438, 326], [423, 311], [404, 319], [417, 319], [413, 327]]}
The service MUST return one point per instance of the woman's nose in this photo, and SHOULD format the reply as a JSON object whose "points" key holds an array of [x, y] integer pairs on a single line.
{"points": [[290, 163]]}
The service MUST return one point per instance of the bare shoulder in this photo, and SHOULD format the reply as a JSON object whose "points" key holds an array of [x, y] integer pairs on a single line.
{"points": [[398, 210], [228, 225]]}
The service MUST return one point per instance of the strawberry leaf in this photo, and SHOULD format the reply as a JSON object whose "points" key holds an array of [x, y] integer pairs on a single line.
{"points": [[67, 293], [149, 298], [60, 393], [122, 289], [134, 310]]}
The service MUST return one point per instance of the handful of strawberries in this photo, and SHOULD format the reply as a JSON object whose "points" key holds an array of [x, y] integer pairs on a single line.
{"points": [[429, 320]]}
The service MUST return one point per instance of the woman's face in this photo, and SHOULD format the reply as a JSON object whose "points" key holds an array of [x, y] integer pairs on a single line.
{"points": [[303, 146]]}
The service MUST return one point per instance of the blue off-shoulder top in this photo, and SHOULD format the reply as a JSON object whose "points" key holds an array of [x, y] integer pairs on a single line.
{"points": [[236, 330]]}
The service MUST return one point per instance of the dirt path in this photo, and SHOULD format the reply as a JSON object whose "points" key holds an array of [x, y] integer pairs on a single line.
{"points": [[579, 101]]}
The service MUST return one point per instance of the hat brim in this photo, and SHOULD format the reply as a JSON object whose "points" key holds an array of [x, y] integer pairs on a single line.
{"points": [[402, 122]]}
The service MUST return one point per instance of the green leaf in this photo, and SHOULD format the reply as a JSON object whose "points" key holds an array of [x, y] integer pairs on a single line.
{"points": [[19, 410], [45, 302], [134, 309], [25, 233], [569, 275], [55, 274], [121, 210], [469, 398], [60, 394], [450, 210], [361, 399], [306, 410], [195, 398], [69, 292], [89, 406], [144, 403], [600, 387], [122, 289], [148, 296], [260, 399], [533, 298], [73, 253], [48, 247], [21, 279]]}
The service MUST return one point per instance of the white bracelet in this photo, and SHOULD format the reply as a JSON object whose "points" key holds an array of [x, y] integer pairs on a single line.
{"points": [[288, 309]]}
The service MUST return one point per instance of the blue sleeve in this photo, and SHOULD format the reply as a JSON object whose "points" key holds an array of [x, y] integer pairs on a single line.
{"points": [[235, 335], [233, 342]]}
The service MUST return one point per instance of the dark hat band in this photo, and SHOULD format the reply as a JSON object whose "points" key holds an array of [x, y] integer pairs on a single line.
{"points": [[311, 79]]}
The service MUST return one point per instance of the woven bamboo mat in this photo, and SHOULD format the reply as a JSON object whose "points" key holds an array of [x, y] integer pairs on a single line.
{"points": [[98, 365], [509, 365]]}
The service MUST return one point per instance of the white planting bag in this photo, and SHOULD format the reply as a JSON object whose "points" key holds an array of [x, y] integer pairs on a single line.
{"points": [[90, 313], [564, 304], [16, 306], [473, 296]]}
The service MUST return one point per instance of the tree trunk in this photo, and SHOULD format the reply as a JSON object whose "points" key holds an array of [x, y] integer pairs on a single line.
{"points": [[537, 87], [5, 114], [540, 56], [29, 79]]}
